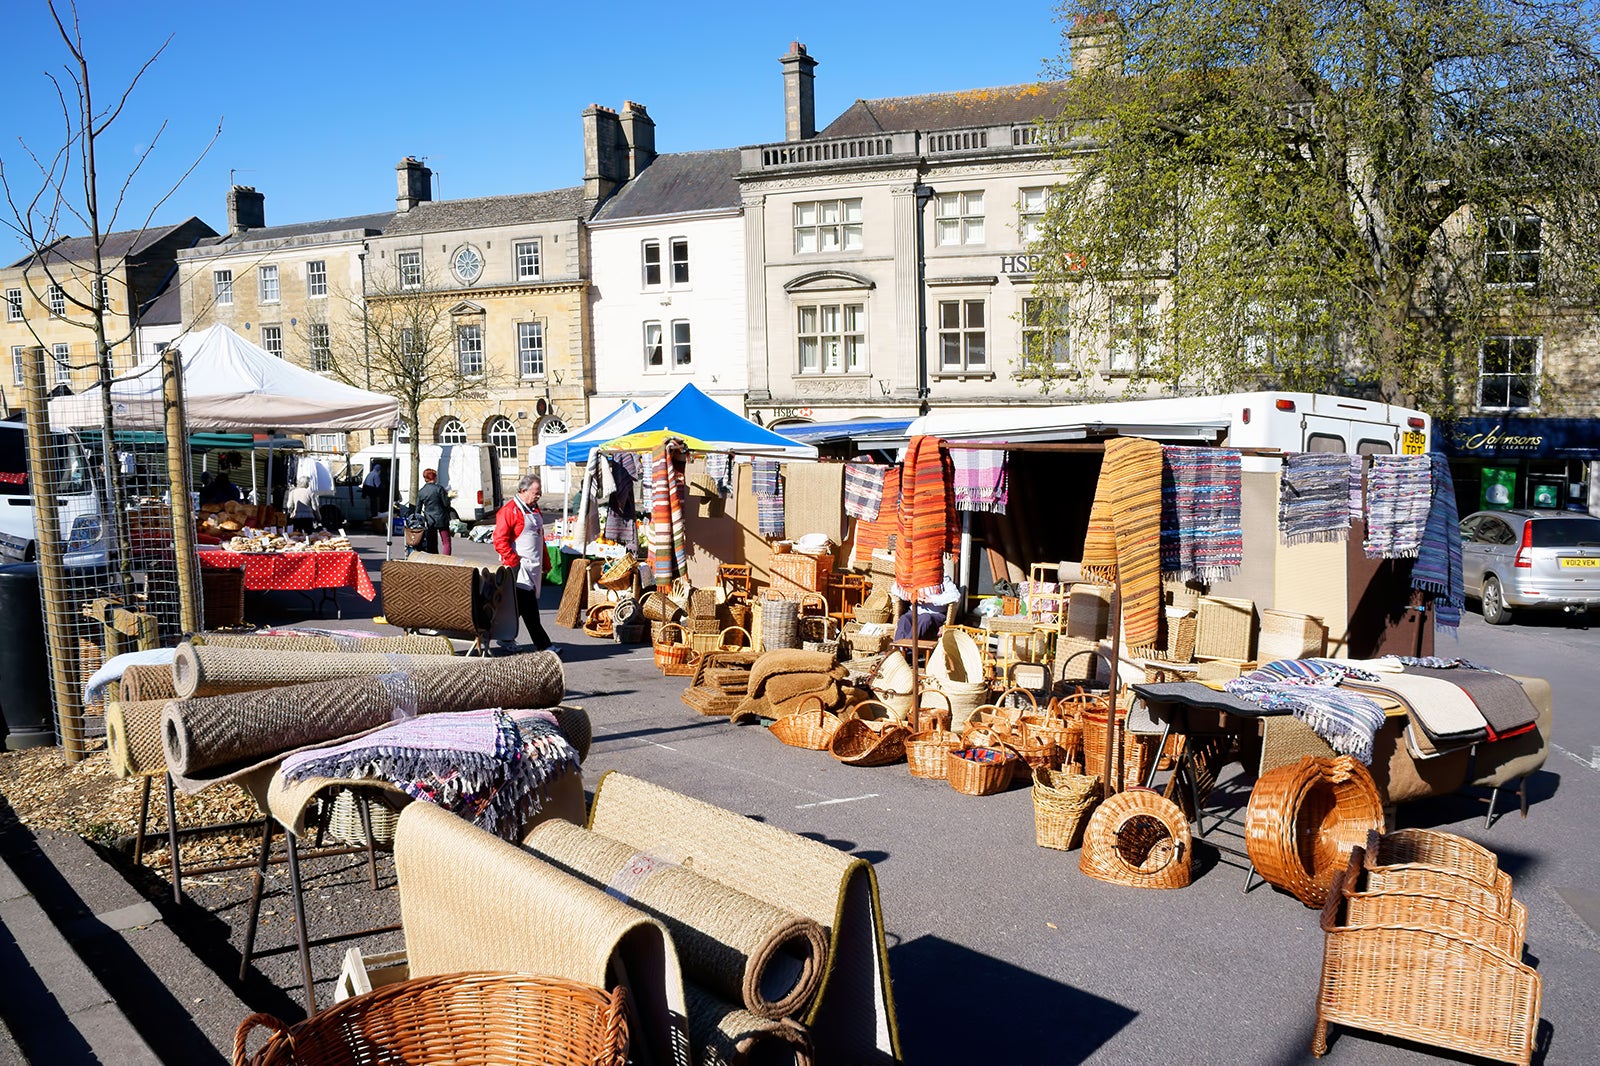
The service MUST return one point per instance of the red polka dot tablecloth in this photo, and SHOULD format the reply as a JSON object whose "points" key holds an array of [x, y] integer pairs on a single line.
{"points": [[295, 571]]}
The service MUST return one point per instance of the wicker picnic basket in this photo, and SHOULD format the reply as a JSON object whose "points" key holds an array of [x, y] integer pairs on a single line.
{"points": [[618, 573], [513, 1019], [1139, 839], [807, 729], [1060, 728], [980, 771], [859, 742], [930, 742], [1061, 802], [674, 658], [1304, 818], [597, 623]]}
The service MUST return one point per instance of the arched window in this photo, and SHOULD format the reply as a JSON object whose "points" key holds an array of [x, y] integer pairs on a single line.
{"points": [[503, 435], [451, 431]]}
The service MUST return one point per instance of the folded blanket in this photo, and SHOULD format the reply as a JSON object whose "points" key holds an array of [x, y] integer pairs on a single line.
{"points": [[1347, 720], [789, 661], [785, 687], [863, 490], [753, 707], [490, 767], [1314, 498], [1444, 712], [980, 479], [1399, 494], [1500, 698]]}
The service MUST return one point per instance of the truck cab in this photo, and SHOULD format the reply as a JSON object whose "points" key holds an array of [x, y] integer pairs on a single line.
{"points": [[77, 501]]}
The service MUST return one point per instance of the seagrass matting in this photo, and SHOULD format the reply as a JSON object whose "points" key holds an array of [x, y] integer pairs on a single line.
{"points": [[143, 682], [133, 737], [216, 738], [852, 1017], [429, 596], [312, 640], [200, 670], [727, 1035]]}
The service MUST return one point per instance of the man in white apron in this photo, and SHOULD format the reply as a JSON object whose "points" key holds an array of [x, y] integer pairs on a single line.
{"points": [[519, 538]]}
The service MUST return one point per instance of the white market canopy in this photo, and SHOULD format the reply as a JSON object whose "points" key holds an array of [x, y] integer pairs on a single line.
{"points": [[230, 383]]}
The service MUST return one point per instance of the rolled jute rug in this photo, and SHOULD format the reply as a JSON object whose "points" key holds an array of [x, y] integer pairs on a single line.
{"points": [[214, 738], [133, 737], [852, 1016], [576, 726], [469, 901], [318, 641], [725, 1035], [764, 957], [202, 670], [143, 683]]}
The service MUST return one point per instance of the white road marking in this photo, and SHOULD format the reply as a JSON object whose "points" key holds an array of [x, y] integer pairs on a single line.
{"points": [[827, 803], [1592, 762]]}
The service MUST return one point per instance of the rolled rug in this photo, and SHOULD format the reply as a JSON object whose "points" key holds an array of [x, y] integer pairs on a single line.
{"points": [[203, 670], [723, 1034], [314, 641], [763, 956], [215, 738], [142, 683], [133, 737]]}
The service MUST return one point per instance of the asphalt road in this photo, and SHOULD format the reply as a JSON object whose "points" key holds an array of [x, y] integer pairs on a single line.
{"points": [[1004, 952]]}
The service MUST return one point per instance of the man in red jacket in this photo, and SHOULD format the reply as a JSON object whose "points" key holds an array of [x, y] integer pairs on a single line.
{"points": [[519, 538]]}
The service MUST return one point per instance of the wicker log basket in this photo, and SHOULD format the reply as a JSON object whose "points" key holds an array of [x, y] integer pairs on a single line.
{"points": [[506, 1018], [1402, 862], [807, 728], [1303, 820], [860, 742], [980, 771], [1062, 801], [1139, 839], [780, 623], [1374, 906]]}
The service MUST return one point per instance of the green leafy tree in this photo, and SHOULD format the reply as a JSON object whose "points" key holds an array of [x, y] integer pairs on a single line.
{"points": [[1319, 195]]}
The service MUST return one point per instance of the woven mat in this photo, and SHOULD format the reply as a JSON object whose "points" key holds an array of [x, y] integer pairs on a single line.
{"points": [[1123, 543], [471, 902], [142, 683], [133, 737], [725, 1035], [762, 956], [199, 670], [217, 738], [813, 500], [429, 596], [407, 645], [852, 1018]]}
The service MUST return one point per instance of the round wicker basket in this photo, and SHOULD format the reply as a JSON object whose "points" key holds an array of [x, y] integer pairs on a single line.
{"points": [[1139, 839], [1303, 820]]}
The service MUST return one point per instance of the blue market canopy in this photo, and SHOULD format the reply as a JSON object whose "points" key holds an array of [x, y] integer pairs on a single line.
{"points": [[691, 411], [883, 432], [575, 447]]}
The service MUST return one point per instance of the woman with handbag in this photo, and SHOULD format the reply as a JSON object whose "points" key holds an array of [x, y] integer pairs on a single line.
{"points": [[435, 510]]}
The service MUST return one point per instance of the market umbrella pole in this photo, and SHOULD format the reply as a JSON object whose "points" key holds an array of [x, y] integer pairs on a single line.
{"points": [[1111, 686], [916, 671]]}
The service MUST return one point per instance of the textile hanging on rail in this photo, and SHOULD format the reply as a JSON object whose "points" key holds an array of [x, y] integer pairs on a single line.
{"points": [[585, 525], [1314, 498], [1438, 567], [813, 500], [669, 549], [1202, 536], [1123, 545], [766, 480], [1399, 494], [927, 516], [873, 535], [863, 490], [621, 523], [980, 479], [719, 468]]}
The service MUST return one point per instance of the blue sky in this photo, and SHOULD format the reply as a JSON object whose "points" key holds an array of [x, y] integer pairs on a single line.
{"points": [[318, 101]]}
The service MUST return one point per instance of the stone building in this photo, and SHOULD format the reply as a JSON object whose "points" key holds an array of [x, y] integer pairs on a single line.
{"points": [[49, 297]]}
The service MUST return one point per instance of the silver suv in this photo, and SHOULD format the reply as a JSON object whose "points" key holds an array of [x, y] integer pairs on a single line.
{"points": [[1513, 559]]}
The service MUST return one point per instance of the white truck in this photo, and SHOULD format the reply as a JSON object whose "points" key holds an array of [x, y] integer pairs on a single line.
{"points": [[470, 472], [77, 502]]}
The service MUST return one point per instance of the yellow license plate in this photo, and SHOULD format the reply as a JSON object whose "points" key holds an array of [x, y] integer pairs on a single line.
{"points": [[1581, 562], [1413, 443]]}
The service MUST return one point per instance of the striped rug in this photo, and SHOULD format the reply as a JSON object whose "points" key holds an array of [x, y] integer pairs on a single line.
{"points": [[1124, 540], [927, 509]]}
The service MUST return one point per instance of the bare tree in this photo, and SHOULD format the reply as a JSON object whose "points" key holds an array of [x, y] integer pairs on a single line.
{"points": [[399, 339], [53, 199]]}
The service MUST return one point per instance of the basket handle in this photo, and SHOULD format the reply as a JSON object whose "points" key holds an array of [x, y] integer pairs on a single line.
{"points": [[1000, 699], [748, 640], [663, 633], [821, 601], [822, 708], [892, 715], [241, 1035]]}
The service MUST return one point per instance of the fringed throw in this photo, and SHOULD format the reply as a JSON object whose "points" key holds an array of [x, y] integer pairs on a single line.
{"points": [[490, 767], [863, 490], [1438, 567], [767, 484], [980, 479], [926, 514], [1124, 540], [1314, 498], [1202, 538], [1399, 493], [669, 548], [1346, 720]]}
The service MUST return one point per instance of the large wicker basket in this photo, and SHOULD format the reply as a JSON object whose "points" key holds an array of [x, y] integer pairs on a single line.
{"points": [[980, 771], [1304, 818], [1289, 635], [1139, 839], [674, 657], [1226, 628], [858, 742], [930, 743], [807, 728], [504, 1018], [1061, 802]]}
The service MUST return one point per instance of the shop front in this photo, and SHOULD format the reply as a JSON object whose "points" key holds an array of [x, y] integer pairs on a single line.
{"points": [[1500, 462]]}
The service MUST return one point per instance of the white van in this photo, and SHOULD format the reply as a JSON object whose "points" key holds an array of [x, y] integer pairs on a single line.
{"points": [[470, 471], [77, 503]]}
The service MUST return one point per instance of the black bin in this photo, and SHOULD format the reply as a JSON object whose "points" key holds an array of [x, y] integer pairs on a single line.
{"points": [[24, 666]]}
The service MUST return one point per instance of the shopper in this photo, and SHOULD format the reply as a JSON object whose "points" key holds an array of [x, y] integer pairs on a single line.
{"points": [[519, 538], [300, 506], [436, 510]]}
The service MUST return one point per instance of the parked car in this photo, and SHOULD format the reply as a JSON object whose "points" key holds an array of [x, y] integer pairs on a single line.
{"points": [[1530, 559]]}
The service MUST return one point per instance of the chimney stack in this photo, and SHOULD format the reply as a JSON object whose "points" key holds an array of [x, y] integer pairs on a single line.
{"points": [[799, 111], [639, 131], [605, 154], [1095, 44], [416, 184], [247, 209]]}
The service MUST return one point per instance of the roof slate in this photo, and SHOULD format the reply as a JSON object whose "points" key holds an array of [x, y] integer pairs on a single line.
{"points": [[943, 111], [677, 183], [553, 205], [113, 246], [376, 223]]}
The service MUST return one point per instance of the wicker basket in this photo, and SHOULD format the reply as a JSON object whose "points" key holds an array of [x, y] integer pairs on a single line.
{"points": [[805, 728], [863, 644], [618, 573], [710, 700], [1225, 628], [1181, 633], [344, 820], [1136, 751], [630, 633], [673, 655], [930, 742], [1366, 905], [1303, 820], [780, 623], [597, 623], [826, 632], [222, 596], [980, 771], [506, 1018], [1139, 839], [705, 623], [703, 603], [1089, 611], [1290, 635], [858, 742], [809, 572], [1077, 660], [657, 608], [1446, 876], [1061, 801]]}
